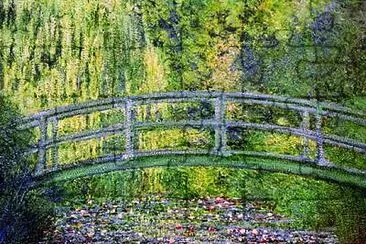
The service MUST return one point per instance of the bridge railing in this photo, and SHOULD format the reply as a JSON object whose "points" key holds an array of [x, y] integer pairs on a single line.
{"points": [[219, 123]]}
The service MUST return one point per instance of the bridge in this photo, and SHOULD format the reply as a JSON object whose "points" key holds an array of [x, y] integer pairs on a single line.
{"points": [[312, 114]]}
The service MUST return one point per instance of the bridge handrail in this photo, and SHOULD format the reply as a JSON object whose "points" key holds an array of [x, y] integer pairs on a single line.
{"points": [[199, 95], [219, 123]]}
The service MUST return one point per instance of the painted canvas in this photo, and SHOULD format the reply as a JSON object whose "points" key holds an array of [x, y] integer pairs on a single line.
{"points": [[183, 121]]}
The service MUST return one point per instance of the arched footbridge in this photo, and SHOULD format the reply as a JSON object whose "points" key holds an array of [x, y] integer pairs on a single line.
{"points": [[216, 116]]}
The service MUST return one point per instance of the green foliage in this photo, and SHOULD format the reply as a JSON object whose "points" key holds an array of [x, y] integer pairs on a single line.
{"points": [[24, 214], [13, 143], [61, 52]]}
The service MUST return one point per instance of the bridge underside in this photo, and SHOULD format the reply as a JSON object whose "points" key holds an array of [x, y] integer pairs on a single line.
{"points": [[240, 162]]}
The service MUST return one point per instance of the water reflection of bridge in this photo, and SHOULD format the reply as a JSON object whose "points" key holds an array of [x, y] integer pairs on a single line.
{"points": [[310, 128]]}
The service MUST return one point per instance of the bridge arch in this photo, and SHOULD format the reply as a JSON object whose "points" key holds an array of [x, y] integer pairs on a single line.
{"points": [[310, 111], [327, 174]]}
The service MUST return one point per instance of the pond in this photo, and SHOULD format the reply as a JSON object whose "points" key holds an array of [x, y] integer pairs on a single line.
{"points": [[160, 220], [207, 205]]}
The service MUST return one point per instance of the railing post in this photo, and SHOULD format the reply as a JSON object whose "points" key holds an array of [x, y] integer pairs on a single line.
{"points": [[42, 156], [319, 137], [129, 128], [54, 139], [305, 125], [220, 127]]}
